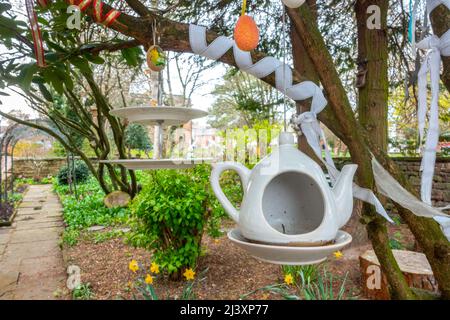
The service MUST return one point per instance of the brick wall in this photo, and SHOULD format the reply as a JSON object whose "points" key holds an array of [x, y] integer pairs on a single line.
{"points": [[37, 168]]}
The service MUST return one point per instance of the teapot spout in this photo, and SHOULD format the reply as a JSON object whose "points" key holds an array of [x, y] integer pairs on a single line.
{"points": [[343, 193]]}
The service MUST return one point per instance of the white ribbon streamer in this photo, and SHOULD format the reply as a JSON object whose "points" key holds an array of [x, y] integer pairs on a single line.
{"points": [[431, 65], [389, 187]]}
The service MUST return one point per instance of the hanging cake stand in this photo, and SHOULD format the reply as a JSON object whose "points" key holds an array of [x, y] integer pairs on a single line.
{"points": [[159, 116], [289, 255], [168, 116]]}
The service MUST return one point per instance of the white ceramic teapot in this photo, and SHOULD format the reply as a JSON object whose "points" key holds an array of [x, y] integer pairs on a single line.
{"points": [[287, 199]]}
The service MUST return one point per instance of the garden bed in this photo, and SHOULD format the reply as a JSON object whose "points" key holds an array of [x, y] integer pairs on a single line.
{"points": [[8, 209], [229, 273]]}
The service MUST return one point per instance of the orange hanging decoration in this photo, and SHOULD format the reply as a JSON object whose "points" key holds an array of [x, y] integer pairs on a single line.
{"points": [[246, 33]]}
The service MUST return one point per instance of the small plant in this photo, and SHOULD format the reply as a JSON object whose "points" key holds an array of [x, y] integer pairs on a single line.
{"points": [[323, 288], [83, 292], [173, 211], [298, 272], [79, 175], [395, 242], [311, 285], [144, 282], [70, 237]]}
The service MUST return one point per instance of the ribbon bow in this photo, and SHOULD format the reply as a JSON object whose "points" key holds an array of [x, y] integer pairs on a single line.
{"points": [[430, 66]]}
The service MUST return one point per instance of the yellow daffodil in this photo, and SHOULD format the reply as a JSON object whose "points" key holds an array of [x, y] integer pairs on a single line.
{"points": [[133, 266], [338, 254], [288, 279], [189, 274], [154, 268], [149, 279]]}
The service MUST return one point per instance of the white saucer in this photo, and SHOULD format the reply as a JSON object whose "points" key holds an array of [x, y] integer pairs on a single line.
{"points": [[168, 116], [286, 255]]}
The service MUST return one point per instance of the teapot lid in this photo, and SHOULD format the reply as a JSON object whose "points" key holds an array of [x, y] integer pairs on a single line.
{"points": [[286, 138]]}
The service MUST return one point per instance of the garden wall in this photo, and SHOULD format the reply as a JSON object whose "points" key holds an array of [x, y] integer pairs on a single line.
{"points": [[37, 168], [33, 168]]}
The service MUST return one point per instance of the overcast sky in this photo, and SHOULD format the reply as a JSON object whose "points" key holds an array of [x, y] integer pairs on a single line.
{"points": [[201, 98]]}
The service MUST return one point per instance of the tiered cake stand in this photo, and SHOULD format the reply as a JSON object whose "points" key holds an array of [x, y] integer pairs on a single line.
{"points": [[159, 116]]}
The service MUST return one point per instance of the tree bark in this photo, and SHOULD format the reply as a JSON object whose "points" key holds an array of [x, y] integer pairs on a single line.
{"points": [[373, 56]]}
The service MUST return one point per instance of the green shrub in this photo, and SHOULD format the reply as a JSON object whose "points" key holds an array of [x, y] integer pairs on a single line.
{"points": [[173, 209], [81, 173]]}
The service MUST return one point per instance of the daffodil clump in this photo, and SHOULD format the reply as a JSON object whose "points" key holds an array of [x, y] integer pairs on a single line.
{"points": [[144, 282], [145, 278]]}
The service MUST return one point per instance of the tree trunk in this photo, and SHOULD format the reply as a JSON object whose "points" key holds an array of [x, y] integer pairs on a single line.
{"points": [[373, 56]]}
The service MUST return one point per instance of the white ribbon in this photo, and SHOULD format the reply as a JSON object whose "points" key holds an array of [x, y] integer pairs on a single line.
{"points": [[431, 65]]}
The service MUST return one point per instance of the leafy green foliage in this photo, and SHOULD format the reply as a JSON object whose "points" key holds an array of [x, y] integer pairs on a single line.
{"points": [[173, 210], [81, 172], [395, 241], [83, 292], [86, 211]]}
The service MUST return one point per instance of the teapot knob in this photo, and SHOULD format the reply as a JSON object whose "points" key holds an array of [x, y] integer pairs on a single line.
{"points": [[286, 138]]}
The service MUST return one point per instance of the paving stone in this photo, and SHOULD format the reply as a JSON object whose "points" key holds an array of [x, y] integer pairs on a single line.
{"points": [[4, 238], [30, 204], [95, 228], [18, 251], [8, 281], [40, 234], [31, 263]]}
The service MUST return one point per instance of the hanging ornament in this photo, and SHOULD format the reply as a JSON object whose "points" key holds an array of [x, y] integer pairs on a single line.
{"points": [[246, 33], [156, 58], [36, 31], [293, 3]]}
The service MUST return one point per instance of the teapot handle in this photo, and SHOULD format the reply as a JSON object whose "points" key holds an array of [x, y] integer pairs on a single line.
{"points": [[217, 171]]}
